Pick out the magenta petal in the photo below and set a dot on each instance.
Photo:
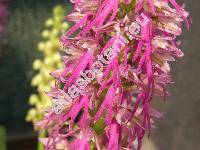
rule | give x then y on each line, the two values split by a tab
108	99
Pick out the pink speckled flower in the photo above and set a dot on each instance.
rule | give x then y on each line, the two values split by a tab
113	109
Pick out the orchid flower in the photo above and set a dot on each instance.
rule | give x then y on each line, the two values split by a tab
49	47
112	108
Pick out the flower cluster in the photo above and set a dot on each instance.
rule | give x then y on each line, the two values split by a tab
49	48
114	110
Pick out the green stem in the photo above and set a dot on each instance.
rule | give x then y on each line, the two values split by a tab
2	138
40	145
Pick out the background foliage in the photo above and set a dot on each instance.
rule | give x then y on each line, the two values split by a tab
24	27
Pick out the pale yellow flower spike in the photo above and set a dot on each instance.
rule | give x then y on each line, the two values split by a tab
51	61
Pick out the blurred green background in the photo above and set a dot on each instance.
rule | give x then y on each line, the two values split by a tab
24	26
178	130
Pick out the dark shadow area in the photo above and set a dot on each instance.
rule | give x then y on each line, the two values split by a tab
180	127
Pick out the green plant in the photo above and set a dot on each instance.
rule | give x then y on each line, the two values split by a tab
2	138
49	47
